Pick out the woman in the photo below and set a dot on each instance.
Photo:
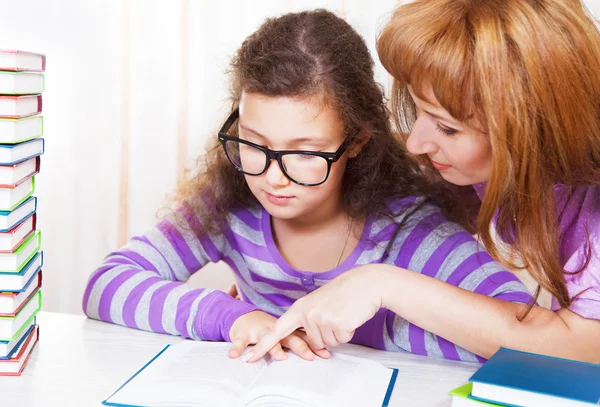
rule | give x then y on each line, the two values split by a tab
501	97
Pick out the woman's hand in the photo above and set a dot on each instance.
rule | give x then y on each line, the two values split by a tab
233	292
251	327
329	315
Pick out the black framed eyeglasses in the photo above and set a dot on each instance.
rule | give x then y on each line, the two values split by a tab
307	168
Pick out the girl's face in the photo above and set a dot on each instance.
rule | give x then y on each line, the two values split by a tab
461	153
281	123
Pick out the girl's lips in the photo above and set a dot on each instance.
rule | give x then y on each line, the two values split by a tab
278	199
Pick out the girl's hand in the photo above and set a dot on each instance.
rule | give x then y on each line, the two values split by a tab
329	315
251	327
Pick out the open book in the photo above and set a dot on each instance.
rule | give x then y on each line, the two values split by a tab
201	374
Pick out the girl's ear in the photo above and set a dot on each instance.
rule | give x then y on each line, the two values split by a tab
361	139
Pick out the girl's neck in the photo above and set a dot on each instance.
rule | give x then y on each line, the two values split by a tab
331	214
317	246
308	226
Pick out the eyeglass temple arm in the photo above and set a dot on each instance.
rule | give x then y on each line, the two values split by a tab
230	120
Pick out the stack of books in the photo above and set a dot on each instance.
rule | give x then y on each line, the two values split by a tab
21	258
514	378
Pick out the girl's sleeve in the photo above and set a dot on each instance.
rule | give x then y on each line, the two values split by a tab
142	285
443	250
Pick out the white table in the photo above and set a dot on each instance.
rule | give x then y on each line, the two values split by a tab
80	362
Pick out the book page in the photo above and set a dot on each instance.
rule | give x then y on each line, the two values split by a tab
192	374
339	381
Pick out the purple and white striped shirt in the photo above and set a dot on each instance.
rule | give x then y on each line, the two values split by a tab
142	284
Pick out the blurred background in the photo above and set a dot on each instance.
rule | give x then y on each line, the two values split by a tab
134	89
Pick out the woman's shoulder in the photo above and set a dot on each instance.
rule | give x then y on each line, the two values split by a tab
401	209
413	212
578	209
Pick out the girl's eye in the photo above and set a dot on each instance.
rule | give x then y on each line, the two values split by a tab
252	140
445	130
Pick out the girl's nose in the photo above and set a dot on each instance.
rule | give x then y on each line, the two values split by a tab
275	176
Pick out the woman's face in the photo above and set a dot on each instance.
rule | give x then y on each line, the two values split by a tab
460	152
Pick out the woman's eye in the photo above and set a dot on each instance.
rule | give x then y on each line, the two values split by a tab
445	130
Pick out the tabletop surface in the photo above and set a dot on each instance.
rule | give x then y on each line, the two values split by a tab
80	362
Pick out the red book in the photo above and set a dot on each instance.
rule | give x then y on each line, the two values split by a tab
15	107
15	365
14	60
15	174
13	302
11	240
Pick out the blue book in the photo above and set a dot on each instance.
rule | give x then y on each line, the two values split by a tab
15	153
515	378
9	348
196	373
19	282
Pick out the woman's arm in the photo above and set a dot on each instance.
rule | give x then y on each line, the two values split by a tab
142	285
483	324
476	322
434	247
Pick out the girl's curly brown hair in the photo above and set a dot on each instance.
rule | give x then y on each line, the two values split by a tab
308	54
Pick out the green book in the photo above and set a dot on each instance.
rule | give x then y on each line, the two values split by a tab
14	131
12	326
14	262
460	397
21	83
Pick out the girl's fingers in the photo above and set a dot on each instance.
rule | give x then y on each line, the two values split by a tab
298	346
237	347
278	353
284	326
323	353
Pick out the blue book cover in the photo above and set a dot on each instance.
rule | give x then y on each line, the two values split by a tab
11	154
17	343
539	376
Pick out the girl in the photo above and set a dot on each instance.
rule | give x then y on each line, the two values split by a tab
305	182
503	97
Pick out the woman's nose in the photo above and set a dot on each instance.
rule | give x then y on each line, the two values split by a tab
421	139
